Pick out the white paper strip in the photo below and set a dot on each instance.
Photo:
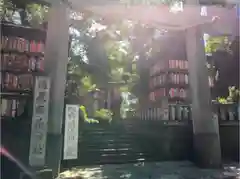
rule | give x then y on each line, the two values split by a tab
39	122
71	132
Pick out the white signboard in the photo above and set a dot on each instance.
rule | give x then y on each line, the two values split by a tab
71	132
39	122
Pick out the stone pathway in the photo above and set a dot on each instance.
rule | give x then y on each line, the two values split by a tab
161	170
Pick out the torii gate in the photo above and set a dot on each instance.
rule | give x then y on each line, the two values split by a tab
206	134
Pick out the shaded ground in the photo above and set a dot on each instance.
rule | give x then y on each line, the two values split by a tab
161	170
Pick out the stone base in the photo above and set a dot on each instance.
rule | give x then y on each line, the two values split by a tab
207	152
45	174
42	174
54	153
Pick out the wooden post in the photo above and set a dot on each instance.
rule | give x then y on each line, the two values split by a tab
56	54
205	128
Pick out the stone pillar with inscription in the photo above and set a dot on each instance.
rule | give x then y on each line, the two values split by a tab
39	122
56	59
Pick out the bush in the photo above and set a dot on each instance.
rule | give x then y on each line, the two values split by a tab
103	114
91	121
84	112
233	96
85	115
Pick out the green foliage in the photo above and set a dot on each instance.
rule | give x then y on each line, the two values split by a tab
30	13
104	114
7	9
80	74
87	84
98	57
233	96
216	43
84	112
111	58
119	58
222	100
91	121
37	14
85	116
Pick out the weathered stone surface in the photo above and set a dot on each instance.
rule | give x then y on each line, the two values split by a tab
207	154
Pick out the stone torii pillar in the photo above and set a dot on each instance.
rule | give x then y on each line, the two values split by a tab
56	55
207	149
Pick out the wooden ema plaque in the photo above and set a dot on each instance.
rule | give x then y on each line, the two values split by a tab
168	77
22	52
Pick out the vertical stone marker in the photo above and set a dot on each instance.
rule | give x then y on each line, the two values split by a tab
71	132
206	132
38	138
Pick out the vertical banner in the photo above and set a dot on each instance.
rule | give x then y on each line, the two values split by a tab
71	132
39	122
